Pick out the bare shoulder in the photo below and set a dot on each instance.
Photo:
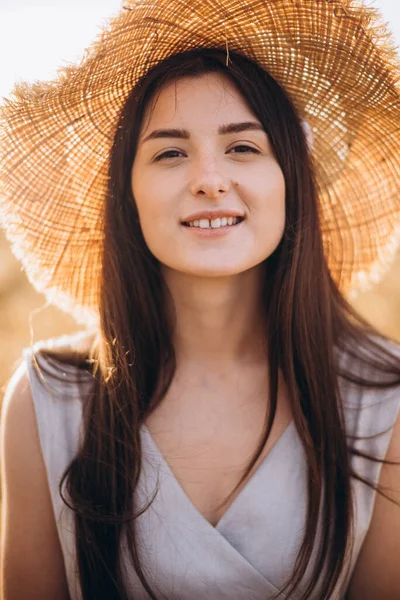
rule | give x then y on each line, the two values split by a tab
377	572
18	422
31	559
17	395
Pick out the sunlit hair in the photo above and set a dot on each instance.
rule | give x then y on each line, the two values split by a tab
309	326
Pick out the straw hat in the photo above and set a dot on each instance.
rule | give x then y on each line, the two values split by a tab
335	59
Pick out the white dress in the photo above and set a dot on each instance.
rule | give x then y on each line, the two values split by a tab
251	552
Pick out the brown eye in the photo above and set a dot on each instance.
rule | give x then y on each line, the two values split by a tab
167	154
245	149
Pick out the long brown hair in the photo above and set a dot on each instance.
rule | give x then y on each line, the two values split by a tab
310	324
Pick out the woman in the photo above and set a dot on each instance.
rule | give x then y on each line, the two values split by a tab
204	438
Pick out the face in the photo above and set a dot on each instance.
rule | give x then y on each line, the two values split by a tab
205	167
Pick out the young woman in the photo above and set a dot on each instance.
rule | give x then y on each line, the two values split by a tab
229	426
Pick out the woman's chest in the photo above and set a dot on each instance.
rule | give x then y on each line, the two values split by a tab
209	447
248	549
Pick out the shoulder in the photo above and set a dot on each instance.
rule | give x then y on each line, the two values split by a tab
17	411
56	365
42	412
20	445
18	405
377	571
65	346
27	514
370	408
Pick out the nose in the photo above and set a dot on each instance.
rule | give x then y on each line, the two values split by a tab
208	178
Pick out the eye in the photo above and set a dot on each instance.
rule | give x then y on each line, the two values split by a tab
167	154
246	149
170	154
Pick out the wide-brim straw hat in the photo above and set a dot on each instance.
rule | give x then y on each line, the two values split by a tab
338	63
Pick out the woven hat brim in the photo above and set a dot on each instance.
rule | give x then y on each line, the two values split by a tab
336	60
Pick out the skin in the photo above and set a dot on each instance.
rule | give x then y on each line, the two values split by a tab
215	282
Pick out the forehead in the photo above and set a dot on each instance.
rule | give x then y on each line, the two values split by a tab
196	101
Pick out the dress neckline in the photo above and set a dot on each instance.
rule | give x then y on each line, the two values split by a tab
272	455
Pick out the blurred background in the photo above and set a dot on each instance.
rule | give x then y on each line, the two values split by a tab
37	36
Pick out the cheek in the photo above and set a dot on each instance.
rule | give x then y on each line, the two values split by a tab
279	195
277	212
269	211
148	196
155	205
268	190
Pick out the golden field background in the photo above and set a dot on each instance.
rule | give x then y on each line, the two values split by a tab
19	300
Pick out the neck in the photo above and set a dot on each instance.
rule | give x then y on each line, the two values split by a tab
219	322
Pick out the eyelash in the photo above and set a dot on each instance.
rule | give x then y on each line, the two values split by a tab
249	148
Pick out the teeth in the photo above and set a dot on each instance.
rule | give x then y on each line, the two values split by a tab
215	223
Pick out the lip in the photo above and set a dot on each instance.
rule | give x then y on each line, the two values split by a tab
210	232
212	214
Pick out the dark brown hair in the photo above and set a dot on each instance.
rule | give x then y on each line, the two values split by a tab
310	324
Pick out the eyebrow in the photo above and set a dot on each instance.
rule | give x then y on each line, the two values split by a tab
223	129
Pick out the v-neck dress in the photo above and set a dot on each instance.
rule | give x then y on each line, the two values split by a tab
251	552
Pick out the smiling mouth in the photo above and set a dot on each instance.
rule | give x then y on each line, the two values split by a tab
238	220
